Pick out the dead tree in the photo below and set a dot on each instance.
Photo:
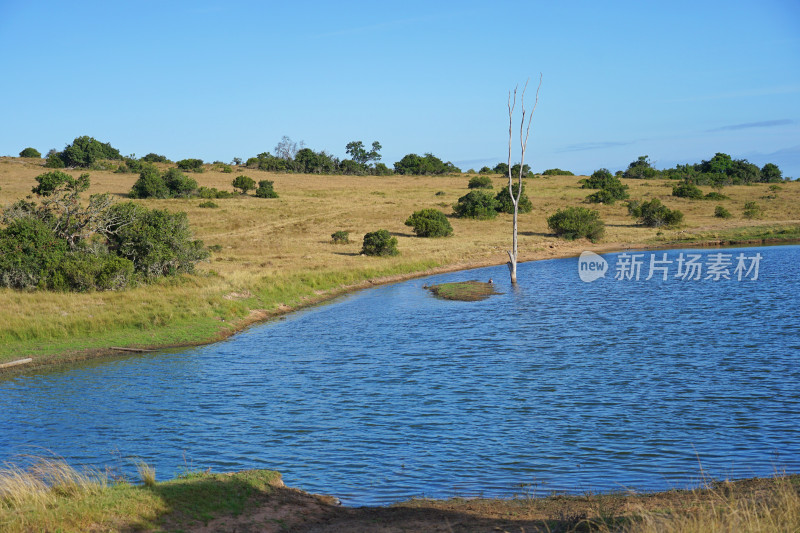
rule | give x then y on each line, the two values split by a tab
523	142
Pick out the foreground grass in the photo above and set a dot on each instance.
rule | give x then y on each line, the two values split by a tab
275	255
51	496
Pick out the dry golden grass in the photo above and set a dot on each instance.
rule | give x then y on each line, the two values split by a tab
276	253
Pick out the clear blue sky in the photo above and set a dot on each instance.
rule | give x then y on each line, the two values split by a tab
677	80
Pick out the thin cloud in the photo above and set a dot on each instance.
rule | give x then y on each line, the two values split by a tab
762	124
593	146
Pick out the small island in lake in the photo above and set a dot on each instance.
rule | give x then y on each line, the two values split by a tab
468	291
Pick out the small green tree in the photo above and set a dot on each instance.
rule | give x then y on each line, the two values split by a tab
265	189
150	184
687	190
480	182
430	223
155	158
190	165
476	204
577	222
243	183
654	214
506	205
721	212
340	237
379	243
179	184
85	151
770	173
752	210
30	152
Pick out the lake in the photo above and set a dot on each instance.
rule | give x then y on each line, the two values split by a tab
554	385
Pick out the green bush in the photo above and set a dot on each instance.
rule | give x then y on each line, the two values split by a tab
190	165
208	204
557	172
30	152
721	212
30	254
265	189
213	193
654	214
379	243
243	183
54	161
150	184
480	182
476	204
85	151
752	210
430	223
82	271
714	195
158	242
600	179
179	184
687	190
577	222
505	205
340	237
155	158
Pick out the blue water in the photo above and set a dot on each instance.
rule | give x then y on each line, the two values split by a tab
391	393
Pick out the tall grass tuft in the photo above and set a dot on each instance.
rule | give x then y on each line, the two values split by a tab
147	473
26	491
722	507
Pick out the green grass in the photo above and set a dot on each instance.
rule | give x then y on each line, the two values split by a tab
467	291
51	496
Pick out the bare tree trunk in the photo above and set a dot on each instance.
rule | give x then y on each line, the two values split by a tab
523	141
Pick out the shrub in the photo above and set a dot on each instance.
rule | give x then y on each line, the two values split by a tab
158	242
265	189
85	151
179	184
654	214
208	204
82	271
480	182
687	190
243	183
150	184
721	212
54	161
557	172
440	193
612	190
380	169
752	210
30	254
30	152
340	237
212	192
155	158
476	204
379	243
190	165
600	179
576	222
430	223
485	170
505	205
714	195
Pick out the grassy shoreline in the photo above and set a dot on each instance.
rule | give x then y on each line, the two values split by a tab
275	256
51	496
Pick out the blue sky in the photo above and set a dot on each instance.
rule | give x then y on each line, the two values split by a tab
677	80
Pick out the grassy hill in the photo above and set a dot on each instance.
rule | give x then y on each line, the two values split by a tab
274	255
